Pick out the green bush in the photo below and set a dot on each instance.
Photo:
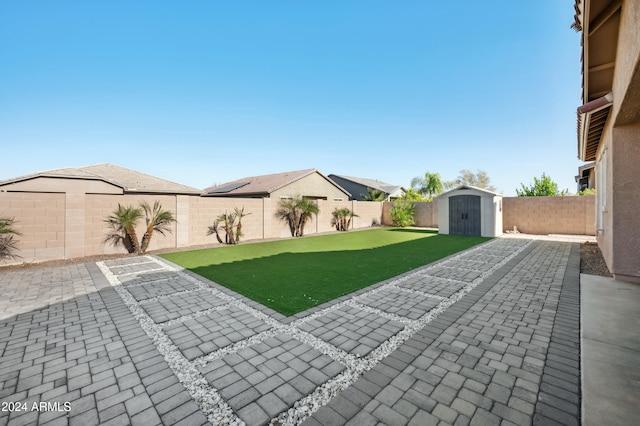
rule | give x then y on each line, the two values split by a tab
402	213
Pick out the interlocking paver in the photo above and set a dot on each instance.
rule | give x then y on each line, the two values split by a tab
498	354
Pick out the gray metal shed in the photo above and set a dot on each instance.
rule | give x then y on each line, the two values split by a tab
467	210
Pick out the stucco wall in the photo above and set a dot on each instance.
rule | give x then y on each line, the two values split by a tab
619	234
549	215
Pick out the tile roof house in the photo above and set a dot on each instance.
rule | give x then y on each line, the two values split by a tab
609	125
99	178
309	183
359	187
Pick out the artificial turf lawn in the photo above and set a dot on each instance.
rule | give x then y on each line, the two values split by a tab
296	274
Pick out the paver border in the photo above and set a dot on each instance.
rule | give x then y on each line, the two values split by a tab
560	395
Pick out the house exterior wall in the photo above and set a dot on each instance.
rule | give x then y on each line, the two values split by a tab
313	185
617	171
550	215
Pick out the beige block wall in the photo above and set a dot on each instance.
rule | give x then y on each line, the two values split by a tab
40	218
205	210
550	215
426	214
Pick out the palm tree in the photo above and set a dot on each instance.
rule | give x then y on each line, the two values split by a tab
157	219
287	212
307	209
429	185
122	223
239	214
8	242
341	218
296	212
374	195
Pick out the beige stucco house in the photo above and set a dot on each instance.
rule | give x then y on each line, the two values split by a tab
60	213
309	183
609	125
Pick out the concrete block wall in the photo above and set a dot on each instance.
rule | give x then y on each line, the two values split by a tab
426	214
550	215
40	218
69	225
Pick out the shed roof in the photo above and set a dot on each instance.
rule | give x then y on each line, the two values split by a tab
475	188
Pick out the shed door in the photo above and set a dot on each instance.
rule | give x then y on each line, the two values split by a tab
464	215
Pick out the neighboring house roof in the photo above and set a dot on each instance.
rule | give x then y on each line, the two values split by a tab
371	183
262	185
127	179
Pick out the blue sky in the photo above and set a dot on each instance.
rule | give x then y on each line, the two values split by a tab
208	92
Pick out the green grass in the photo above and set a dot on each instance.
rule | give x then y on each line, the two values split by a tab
293	275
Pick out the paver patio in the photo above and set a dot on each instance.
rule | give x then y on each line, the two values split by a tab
487	336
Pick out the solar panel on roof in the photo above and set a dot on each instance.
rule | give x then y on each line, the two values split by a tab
228	188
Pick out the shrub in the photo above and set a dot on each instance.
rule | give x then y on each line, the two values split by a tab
402	213
8	241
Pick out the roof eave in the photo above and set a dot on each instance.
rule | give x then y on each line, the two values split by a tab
592	118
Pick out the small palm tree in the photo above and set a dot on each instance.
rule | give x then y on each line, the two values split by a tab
239	214
288	212
307	209
296	212
375	195
341	218
158	220
8	242
122	223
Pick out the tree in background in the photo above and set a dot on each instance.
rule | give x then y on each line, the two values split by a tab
428	185
341	218
374	195
296	212
411	195
402	213
587	191
8	241
543	187
467	177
